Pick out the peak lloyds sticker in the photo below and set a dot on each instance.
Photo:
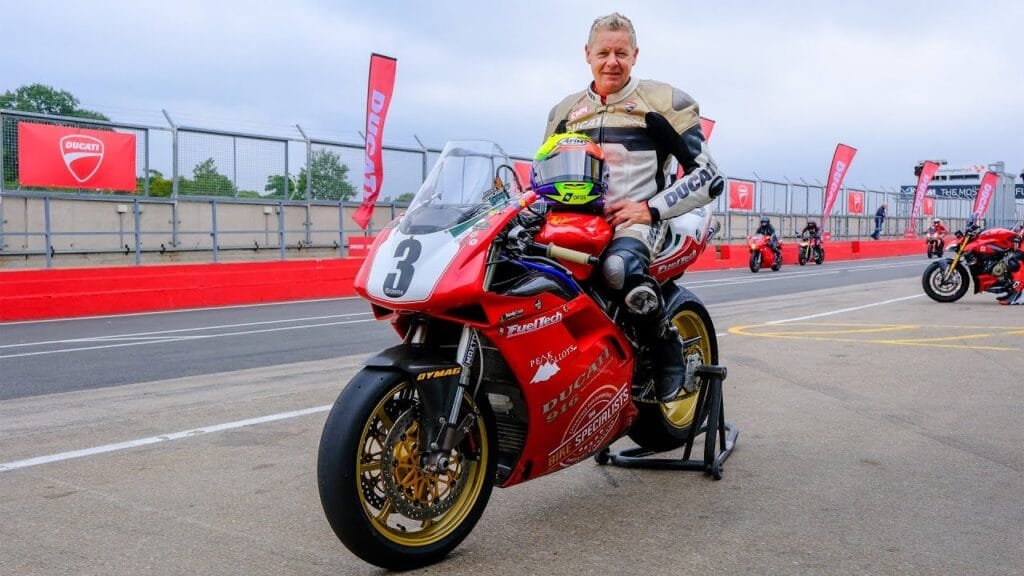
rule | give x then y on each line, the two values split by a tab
82	155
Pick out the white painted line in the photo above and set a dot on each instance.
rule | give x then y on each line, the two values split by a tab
840	311
179	310
161	333
180	338
7	466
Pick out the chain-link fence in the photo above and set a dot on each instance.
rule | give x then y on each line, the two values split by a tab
221	194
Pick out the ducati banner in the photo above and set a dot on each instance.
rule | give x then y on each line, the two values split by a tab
841	161
378	99
986	190
741	195
928	209
855	202
707	126
67	157
927	172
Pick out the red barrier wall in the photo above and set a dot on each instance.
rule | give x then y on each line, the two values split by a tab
65	293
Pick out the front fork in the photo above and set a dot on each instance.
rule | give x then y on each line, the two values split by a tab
956	260
442	403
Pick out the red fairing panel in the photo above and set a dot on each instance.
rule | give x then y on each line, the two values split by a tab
584	232
575	368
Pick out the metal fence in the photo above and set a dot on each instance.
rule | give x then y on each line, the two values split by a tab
216	194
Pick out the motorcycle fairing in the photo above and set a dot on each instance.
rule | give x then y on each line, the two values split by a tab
575	369
685	239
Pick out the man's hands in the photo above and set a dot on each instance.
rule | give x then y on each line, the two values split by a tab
626	213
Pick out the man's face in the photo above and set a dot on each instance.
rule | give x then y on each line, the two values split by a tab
611	58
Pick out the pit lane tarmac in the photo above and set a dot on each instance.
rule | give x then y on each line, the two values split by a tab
880	433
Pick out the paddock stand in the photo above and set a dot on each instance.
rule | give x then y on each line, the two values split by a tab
715	453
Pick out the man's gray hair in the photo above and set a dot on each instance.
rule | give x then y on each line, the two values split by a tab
613	22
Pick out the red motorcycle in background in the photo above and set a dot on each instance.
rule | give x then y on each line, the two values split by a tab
988	257
761	253
513	364
934	242
811	248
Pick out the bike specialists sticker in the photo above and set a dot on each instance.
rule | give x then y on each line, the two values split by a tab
592	427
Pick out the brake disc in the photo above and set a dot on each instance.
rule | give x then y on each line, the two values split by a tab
414	492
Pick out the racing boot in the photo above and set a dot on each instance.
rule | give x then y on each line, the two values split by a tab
670	370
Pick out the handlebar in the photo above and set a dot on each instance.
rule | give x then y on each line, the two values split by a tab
567	254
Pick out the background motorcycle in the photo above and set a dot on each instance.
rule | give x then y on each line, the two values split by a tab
513	363
983	256
934	243
761	253
811	248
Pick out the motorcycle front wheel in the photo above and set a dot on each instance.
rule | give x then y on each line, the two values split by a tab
802	258
755	261
380	500
952	289
665	426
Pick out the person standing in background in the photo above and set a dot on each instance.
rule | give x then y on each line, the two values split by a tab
879	220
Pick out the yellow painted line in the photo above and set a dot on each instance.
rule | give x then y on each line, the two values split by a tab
947	338
826	332
928	343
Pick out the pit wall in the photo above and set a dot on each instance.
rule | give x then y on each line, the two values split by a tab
75	292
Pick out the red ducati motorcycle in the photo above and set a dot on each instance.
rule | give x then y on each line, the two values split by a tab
761	253
513	363
812	248
934	242
988	257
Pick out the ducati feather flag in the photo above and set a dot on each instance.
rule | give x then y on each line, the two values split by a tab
378	99
985	193
928	170
707	126
841	160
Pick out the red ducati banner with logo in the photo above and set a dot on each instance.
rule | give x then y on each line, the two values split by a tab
378	99
66	157
986	190
707	126
741	195
855	202
841	160
928	170
928	209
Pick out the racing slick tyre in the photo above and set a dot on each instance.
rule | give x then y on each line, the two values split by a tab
381	502
952	289
755	262
819	256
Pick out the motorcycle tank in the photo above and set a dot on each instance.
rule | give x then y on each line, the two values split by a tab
588	233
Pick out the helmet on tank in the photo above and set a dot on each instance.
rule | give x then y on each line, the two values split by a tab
569	173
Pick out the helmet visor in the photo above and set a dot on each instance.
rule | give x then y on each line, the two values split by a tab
568	165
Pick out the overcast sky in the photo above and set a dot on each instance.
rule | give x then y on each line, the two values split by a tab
901	81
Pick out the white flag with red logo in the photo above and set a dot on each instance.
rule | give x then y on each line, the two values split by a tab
378	99
841	160
928	170
986	190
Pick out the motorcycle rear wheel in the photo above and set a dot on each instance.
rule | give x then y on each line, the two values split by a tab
755	262
378	498
819	256
950	291
662	427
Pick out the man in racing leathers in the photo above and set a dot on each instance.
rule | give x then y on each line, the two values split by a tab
640	125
